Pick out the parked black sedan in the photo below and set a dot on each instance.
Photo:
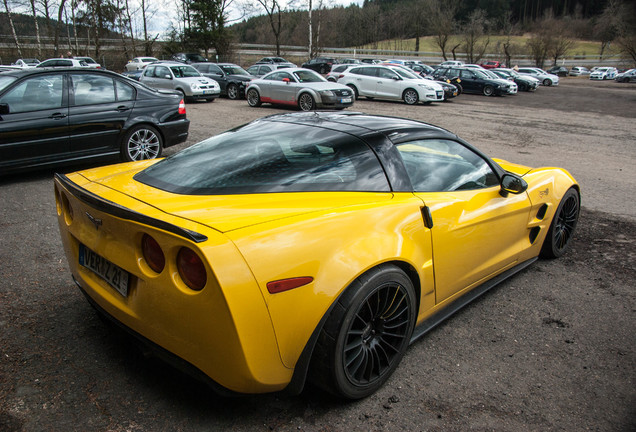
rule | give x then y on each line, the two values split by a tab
559	71
321	65
232	78
524	82
53	116
476	81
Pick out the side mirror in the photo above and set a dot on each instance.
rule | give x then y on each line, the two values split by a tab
167	76
286	80
4	108
513	184
397	78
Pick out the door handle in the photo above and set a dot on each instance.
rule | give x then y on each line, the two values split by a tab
122	108
57	116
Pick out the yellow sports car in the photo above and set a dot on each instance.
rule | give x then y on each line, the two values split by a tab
305	246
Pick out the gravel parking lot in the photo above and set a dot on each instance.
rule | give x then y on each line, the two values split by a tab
551	349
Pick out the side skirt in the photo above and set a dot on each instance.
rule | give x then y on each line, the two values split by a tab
433	321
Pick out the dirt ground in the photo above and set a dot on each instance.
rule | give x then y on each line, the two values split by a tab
551	349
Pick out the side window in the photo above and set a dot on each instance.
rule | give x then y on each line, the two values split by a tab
150	71
33	94
125	92
466	74
162	72
253	70
386	73
279	76
214	69
65	63
437	165
92	89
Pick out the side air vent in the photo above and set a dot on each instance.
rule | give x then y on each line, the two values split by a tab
542	210
534	232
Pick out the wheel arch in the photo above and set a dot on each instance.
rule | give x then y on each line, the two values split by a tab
301	370
129	127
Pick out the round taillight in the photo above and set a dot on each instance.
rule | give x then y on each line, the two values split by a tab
191	269
153	254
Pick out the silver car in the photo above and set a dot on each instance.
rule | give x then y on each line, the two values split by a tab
299	87
546	79
180	77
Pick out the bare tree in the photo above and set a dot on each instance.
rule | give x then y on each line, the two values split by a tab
15	36
275	15
474	36
608	24
441	22
37	27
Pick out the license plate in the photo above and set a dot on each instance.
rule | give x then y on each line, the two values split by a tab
345	100
205	92
115	276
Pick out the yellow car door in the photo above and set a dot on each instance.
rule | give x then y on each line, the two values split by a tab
477	231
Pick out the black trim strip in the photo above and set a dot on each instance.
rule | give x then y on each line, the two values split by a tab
432	322
110	207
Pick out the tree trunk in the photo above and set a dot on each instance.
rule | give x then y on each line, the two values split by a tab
37	28
57	26
15	36
310	32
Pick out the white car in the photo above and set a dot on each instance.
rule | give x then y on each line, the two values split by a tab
546	79
391	82
139	63
89	62
336	70
452	63
26	63
62	62
604	73
181	77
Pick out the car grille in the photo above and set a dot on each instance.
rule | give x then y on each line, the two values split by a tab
342	92
440	94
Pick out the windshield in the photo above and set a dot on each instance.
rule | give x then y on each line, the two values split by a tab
234	70
483	74
196	58
405	74
5	81
184	71
266	156
307	76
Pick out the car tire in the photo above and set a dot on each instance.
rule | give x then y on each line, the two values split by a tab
232	91
563	225
410	97
366	334
523	87
306	102
140	143
253	98
460	89
488	90
323	70
547	82
356	95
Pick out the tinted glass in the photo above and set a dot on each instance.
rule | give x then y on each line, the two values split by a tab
437	165
5	81
33	94
234	70
125	92
307	76
184	71
266	156
92	89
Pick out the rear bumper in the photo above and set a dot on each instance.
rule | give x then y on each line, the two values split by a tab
175	132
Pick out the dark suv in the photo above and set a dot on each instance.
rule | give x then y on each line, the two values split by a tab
559	71
320	64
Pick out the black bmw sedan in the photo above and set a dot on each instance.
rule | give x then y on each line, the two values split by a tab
50	117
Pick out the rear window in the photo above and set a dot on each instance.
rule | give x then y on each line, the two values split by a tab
266	156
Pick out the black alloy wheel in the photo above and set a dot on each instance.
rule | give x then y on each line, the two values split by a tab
563	225
488	90
366	334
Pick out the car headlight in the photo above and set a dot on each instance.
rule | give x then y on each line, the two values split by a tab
326	93
194	86
426	87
